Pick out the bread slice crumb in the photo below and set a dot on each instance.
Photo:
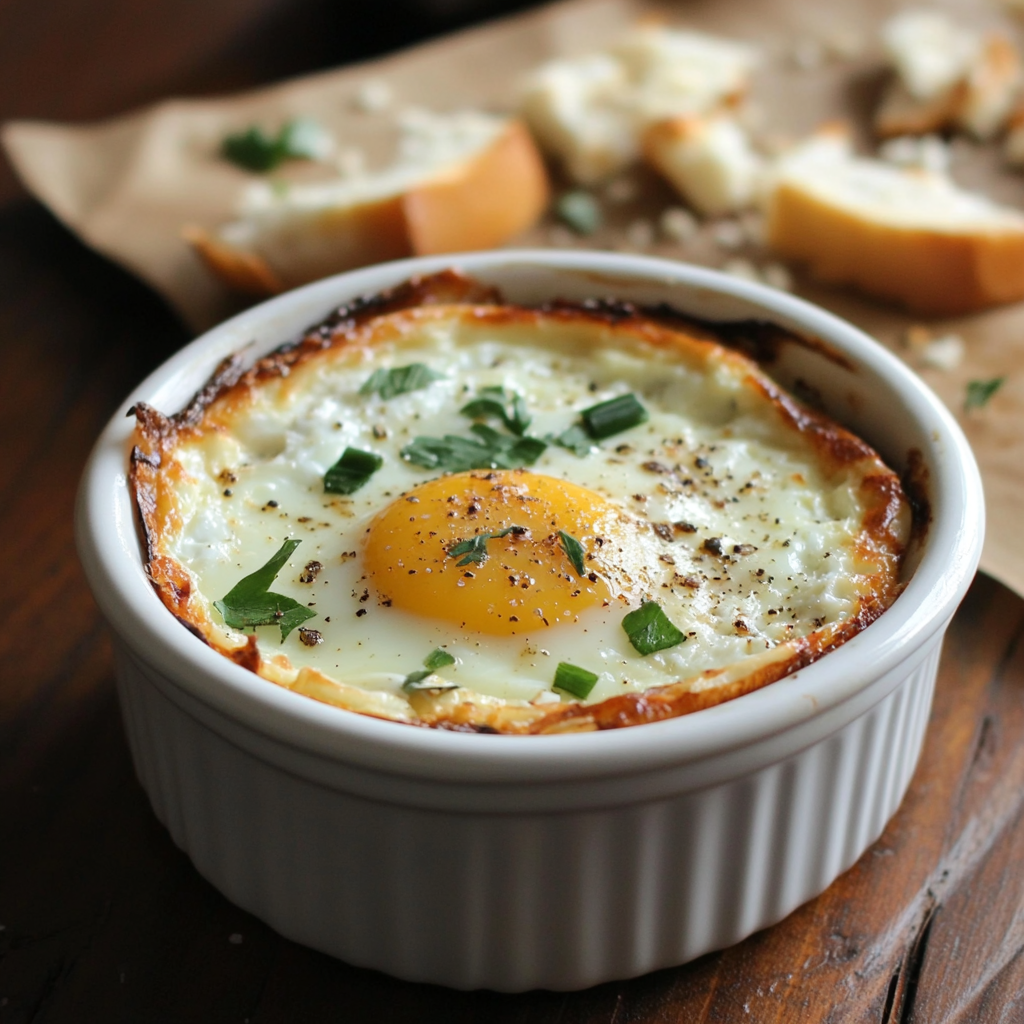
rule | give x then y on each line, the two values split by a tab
709	160
590	112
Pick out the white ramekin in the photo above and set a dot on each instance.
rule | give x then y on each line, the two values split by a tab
510	863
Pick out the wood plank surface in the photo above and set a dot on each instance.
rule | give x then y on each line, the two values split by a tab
103	919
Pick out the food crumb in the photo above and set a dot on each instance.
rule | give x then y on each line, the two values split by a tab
678	225
729	234
374	96
944	353
741	268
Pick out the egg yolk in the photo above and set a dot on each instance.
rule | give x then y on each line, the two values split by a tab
436	551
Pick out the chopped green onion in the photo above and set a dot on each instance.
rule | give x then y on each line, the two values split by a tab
574	550
249	602
400	380
575	680
980	391
351	471
488	450
614	416
475	548
491	403
580	210
650	630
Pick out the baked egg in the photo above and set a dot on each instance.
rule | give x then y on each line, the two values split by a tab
444	510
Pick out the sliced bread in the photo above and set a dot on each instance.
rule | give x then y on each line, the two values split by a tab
907	235
460	182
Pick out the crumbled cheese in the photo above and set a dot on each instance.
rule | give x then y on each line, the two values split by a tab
737	266
944	353
928	152
729	234
678	225
374	96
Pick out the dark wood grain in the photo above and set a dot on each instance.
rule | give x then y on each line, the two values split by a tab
104	920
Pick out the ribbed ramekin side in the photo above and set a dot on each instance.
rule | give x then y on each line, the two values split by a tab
513	901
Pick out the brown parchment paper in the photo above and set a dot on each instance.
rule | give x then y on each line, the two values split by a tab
127	186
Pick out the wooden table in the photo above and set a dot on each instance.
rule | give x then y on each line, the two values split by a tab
104	920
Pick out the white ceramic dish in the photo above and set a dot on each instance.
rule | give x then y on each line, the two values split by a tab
512	862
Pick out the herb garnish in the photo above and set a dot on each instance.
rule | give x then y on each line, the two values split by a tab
436	659
249	602
575	680
576	439
255	150
650	630
488	450
400	380
574	550
351	471
492	403
614	416
475	548
580	210
980	391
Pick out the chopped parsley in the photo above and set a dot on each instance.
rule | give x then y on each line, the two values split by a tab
574	551
487	450
650	630
351	471
575	680
980	391
492	403
400	380
255	150
475	548
436	659
614	416
249	602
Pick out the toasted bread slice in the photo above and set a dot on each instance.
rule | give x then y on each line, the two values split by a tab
709	160
948	77
473	183
591	112
907	235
